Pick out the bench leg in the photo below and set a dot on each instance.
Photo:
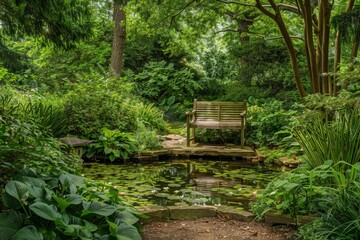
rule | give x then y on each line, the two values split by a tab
188	136
193	134
242	137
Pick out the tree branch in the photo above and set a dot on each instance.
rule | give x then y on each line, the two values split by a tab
280	37
236	2
263	10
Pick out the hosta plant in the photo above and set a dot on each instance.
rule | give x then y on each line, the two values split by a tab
112	144
63	207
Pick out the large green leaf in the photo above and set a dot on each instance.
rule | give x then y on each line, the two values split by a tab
38	182
71	199
68	179
45	211
98	208
10	202
127	231
28	233
36	192
126	216
10	223
17	190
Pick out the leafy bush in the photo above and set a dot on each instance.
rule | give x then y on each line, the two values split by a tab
160	80
161	83
147	139
24	143
296	192
94	105
63	207
265	120
112	145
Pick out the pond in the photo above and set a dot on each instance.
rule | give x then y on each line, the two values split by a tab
185	182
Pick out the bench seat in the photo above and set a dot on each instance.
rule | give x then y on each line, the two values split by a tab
216	125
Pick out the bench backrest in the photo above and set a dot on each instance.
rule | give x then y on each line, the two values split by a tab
219	111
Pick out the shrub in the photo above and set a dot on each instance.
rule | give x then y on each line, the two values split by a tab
25	144
147	139
295	193
265	119
64	206
94	105
113	145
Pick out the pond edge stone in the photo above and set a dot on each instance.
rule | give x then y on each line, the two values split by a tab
163	214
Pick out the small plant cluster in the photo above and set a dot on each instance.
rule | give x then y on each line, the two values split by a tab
65	206
112	145
268	122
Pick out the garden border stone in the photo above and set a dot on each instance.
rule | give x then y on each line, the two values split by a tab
161	214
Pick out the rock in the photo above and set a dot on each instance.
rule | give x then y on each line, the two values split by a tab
191	212
234	214
155	213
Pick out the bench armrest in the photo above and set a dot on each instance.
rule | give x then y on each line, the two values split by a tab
190	113
188	117
243	113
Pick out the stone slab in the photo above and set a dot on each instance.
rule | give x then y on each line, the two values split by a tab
275	218
155	214
191	212
234	214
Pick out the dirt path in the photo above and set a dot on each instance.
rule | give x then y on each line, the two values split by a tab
215	228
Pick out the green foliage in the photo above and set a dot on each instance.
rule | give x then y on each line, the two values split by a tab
265	120
217	136
47	116
348	24
147	139
336	140
99	103
341	211
60	22
34	108
273	155
24	143
152	117
113	145
161	82
63	206
27	125
298	192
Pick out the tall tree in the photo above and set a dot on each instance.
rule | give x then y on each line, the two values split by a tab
119	38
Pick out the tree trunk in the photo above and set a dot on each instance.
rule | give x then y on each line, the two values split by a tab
119	39
337	57
309	46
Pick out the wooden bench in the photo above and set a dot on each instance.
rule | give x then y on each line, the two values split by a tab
216	115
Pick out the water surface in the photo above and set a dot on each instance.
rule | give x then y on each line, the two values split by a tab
185	182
